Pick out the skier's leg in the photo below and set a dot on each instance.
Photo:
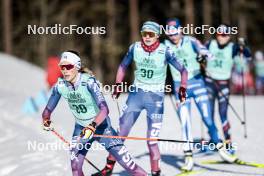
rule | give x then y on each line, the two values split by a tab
154	108
220	147
116	148
76	165
184	114
223	98
205	103
78	152
130	114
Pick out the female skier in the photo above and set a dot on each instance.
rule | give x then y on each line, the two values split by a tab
151	59
90	110
218	73
191	54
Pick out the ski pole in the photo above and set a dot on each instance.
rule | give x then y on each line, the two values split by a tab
202	130
144	139
118	108
173	104
243	95
68	143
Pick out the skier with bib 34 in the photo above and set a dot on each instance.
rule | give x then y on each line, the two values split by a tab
218	74
191	54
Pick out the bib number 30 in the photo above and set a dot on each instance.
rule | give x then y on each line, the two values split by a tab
147	73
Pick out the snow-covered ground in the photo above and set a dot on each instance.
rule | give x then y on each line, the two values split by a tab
19	132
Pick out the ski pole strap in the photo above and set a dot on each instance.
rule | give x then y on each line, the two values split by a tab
144	139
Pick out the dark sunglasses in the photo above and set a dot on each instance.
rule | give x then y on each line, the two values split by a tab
222	34
150	34
68	67
172	35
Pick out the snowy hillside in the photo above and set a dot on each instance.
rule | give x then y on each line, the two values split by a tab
19	80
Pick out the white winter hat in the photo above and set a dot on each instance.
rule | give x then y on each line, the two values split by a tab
259	55
71	58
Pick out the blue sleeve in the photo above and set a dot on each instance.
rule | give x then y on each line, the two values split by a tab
127	60
52	103
200	49
236	50
171	59
207	44
94	88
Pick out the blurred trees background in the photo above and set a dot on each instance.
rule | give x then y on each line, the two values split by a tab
122	19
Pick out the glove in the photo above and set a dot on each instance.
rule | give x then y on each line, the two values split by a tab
47	125
117	90
201	59
182	94
241	42
88	132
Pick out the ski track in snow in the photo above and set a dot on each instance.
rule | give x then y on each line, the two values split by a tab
21	80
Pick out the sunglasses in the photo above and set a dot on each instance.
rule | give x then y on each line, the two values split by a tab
150	34
67	67
172	35
222	34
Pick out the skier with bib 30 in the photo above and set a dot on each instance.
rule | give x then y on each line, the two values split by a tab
151	59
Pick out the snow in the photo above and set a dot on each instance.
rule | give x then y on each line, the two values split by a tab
20	80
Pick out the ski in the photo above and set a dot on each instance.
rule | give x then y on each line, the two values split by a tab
186	173
238	162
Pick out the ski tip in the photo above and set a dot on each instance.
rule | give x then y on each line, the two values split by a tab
238	162
213	162
186	173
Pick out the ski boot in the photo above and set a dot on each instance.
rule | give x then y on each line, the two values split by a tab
107	170
188	164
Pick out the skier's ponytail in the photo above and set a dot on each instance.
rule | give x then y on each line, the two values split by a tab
86	70
82	69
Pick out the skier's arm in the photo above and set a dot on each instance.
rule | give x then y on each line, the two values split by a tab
236	51
207	44
94	89
52	103
171	58
127	60
200	49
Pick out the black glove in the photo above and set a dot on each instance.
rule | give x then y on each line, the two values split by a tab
201	59
117	90
47	125
182	94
